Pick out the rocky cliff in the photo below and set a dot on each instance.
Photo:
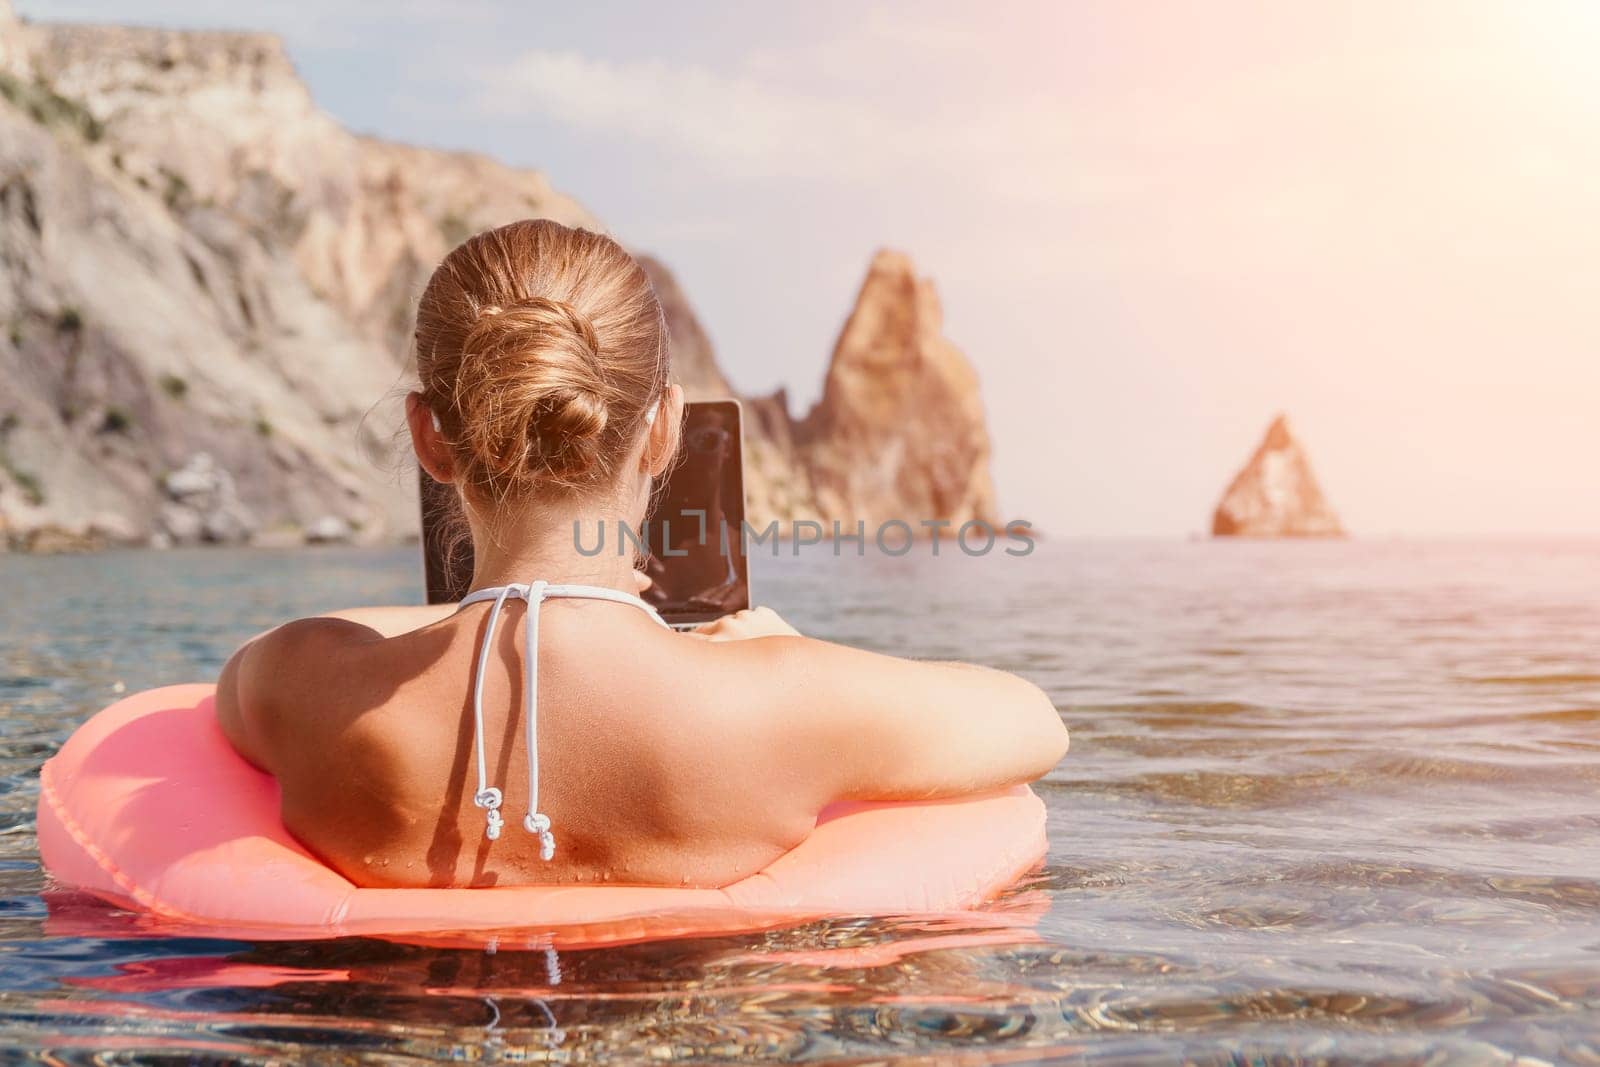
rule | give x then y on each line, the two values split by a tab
197	262
1276	495
205	279
13	50
899	430
897	391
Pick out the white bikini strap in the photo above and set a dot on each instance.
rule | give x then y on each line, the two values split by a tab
535	593
535	822
487	797
555	592
517	591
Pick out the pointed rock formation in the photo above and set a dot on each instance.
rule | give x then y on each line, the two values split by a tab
1276	495
899	432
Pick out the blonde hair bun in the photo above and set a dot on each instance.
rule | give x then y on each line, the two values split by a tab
541	347
532	396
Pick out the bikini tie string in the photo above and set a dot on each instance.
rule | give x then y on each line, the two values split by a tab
535	822
538	823
490	799
487	796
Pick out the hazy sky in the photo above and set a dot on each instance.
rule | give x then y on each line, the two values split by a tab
1153	225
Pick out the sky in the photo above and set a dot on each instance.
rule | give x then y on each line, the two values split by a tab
1153	225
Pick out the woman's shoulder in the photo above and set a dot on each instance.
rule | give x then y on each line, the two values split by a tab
392	621
307	667
305	649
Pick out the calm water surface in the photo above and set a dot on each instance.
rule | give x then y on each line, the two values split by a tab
1324	801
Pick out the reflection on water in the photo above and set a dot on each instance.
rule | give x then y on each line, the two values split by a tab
1324	801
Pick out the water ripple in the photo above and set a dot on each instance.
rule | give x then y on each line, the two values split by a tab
1325	802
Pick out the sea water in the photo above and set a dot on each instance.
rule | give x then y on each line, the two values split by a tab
1328	801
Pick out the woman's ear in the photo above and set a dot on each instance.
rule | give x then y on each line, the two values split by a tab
661	439
427	439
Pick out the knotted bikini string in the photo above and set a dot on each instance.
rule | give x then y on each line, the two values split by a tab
488	797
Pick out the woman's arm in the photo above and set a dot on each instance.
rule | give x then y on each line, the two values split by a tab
861	726
881	728
237	697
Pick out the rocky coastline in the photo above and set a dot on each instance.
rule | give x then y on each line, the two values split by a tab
206	288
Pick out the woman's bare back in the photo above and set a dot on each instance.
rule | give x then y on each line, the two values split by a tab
665	758
654	751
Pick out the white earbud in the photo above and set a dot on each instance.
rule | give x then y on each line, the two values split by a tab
438	427
650	416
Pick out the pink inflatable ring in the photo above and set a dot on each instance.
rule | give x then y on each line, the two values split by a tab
148	806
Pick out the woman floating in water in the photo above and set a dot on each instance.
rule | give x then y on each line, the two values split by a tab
549	728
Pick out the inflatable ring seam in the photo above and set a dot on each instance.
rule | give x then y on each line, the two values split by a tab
341	911
143	897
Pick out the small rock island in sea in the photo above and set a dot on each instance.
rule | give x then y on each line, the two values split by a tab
1276	495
